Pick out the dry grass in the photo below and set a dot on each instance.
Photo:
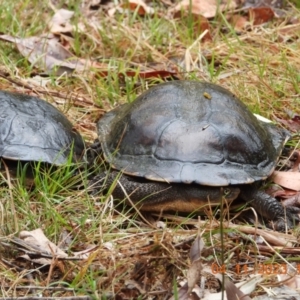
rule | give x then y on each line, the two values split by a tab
134	257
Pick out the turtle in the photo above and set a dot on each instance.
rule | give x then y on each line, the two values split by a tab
33	130
185	144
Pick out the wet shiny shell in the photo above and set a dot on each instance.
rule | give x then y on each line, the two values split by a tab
190	132
33	130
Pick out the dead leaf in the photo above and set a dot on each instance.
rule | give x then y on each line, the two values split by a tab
233	292
200	24
293	124
40	242
239	22
40	250
289	180
207	9
183	294
256	16
281	292
276	191
196	248
43	52
236	291
194	274
60	21
291	278
292	200
46	53
139	6
260	15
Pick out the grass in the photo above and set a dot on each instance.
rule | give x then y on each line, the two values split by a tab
135	257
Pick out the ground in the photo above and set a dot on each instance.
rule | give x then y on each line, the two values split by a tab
88	57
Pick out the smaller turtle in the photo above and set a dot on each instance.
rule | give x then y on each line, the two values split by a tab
182	145
32	129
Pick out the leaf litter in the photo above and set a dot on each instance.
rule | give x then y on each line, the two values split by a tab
130	260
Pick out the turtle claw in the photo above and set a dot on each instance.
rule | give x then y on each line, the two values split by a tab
289	221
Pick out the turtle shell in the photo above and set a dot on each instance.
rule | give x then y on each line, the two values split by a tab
32	129
190	132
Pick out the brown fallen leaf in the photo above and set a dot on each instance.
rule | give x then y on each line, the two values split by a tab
277	192
289	180
291	200
291	125
260	15
207	9
239	22
139	6
255	16
200	24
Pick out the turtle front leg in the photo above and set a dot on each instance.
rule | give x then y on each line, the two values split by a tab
269	208
155	196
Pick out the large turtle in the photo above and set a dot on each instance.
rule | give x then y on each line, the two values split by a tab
180	142
32	129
